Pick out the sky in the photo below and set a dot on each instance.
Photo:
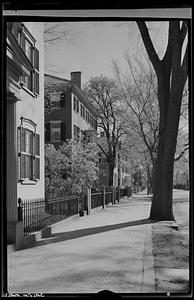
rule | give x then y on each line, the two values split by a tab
91	46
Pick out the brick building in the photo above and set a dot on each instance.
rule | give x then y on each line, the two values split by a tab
68	112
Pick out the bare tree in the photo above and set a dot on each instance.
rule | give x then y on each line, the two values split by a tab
172	73
103	94
139	94
55	31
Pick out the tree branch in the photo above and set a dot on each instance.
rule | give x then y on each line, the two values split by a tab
149	46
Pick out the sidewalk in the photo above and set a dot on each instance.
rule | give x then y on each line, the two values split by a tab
109	249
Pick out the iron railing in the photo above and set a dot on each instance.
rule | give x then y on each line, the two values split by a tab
36	214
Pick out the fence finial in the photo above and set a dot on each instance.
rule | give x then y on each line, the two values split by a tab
19	201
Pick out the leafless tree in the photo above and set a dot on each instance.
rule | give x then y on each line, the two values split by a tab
172	74
139	94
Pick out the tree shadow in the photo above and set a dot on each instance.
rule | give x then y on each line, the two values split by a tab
69	235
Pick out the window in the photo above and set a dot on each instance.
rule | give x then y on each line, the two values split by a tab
77	105
84	112
55	100
87	116
56	131
28	152
76	132
62	100
74	102
27	43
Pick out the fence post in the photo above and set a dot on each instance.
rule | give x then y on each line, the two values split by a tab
89	200
103	197
112	195
20	217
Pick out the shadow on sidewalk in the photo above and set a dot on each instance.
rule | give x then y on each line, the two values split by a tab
68	235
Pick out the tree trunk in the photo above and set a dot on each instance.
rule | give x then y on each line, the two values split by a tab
162	203
111	174
162	208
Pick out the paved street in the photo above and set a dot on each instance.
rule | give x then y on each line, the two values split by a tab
108	249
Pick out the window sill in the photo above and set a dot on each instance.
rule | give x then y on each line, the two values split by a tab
28	182
27	90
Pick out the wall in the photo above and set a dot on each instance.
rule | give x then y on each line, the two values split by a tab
33	108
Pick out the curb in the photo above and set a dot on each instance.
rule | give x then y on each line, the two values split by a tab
148	278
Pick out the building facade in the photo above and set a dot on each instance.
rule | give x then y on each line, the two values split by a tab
122	170
24	118
68	112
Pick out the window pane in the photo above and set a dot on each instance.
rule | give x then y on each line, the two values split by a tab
28	141
28	80
29	50
56	132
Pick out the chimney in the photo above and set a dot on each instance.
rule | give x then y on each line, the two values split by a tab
76	78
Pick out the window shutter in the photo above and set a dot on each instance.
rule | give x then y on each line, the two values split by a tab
18	140
19	168
63	137
23	140
37	150
23	166
36	59
36	82
47	133
19	153
37	167
22	41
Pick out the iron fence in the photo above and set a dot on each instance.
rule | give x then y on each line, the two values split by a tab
96	199
36	214
33	215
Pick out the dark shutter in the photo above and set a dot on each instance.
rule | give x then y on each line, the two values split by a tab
18	139
22	41
37	150
62	100
63	135
36	59
23	140
19	153
47	133
37	167
19	168
23	166
36	82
